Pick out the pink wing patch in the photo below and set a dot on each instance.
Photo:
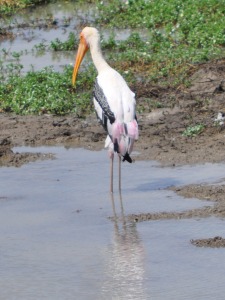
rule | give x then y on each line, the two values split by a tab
132	128
117	130
125	134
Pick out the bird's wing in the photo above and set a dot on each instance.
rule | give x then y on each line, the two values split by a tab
115	107
101	100
120	99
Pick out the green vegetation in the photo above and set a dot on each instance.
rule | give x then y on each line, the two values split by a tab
168	38
180	33
10	6
46	91
56	45
193	130
70	44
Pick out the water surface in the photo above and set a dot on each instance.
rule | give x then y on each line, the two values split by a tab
35	26
57	241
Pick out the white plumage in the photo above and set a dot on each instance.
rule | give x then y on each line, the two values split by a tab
113	100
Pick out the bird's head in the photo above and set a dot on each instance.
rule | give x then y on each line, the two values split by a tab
86	37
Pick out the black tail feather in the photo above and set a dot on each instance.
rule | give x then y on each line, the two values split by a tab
127	158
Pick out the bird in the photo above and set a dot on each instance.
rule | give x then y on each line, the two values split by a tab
114	102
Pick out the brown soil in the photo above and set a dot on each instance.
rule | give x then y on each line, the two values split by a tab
216	242
161	131
212	193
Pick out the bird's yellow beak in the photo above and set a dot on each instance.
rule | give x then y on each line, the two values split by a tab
82	49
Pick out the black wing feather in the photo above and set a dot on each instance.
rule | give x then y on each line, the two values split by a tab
102	101
107	114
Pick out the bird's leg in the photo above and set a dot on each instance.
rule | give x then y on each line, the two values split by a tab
122	211
119	158
111	155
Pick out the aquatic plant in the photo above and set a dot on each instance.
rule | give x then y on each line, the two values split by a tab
180	32
70	44
10	6
193	130
47	91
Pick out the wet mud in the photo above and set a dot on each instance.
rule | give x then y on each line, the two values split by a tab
216	242
213	193
160	139
161	130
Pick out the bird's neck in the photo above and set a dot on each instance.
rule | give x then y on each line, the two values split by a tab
98	58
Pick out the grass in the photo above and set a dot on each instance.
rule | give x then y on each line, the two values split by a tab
46	91
11	6
192	131
70	44
180	32
178	35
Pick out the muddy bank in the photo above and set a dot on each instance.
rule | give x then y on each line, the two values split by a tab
216	242
161	129
8	157
212	193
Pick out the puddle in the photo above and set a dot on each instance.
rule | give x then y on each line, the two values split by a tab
57	241
44	24
41	25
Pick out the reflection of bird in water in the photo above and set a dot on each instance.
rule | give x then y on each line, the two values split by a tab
113	100
124	273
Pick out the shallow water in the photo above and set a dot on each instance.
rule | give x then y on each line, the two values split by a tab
69	17
27	34
57	241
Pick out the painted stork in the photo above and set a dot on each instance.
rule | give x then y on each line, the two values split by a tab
114	102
